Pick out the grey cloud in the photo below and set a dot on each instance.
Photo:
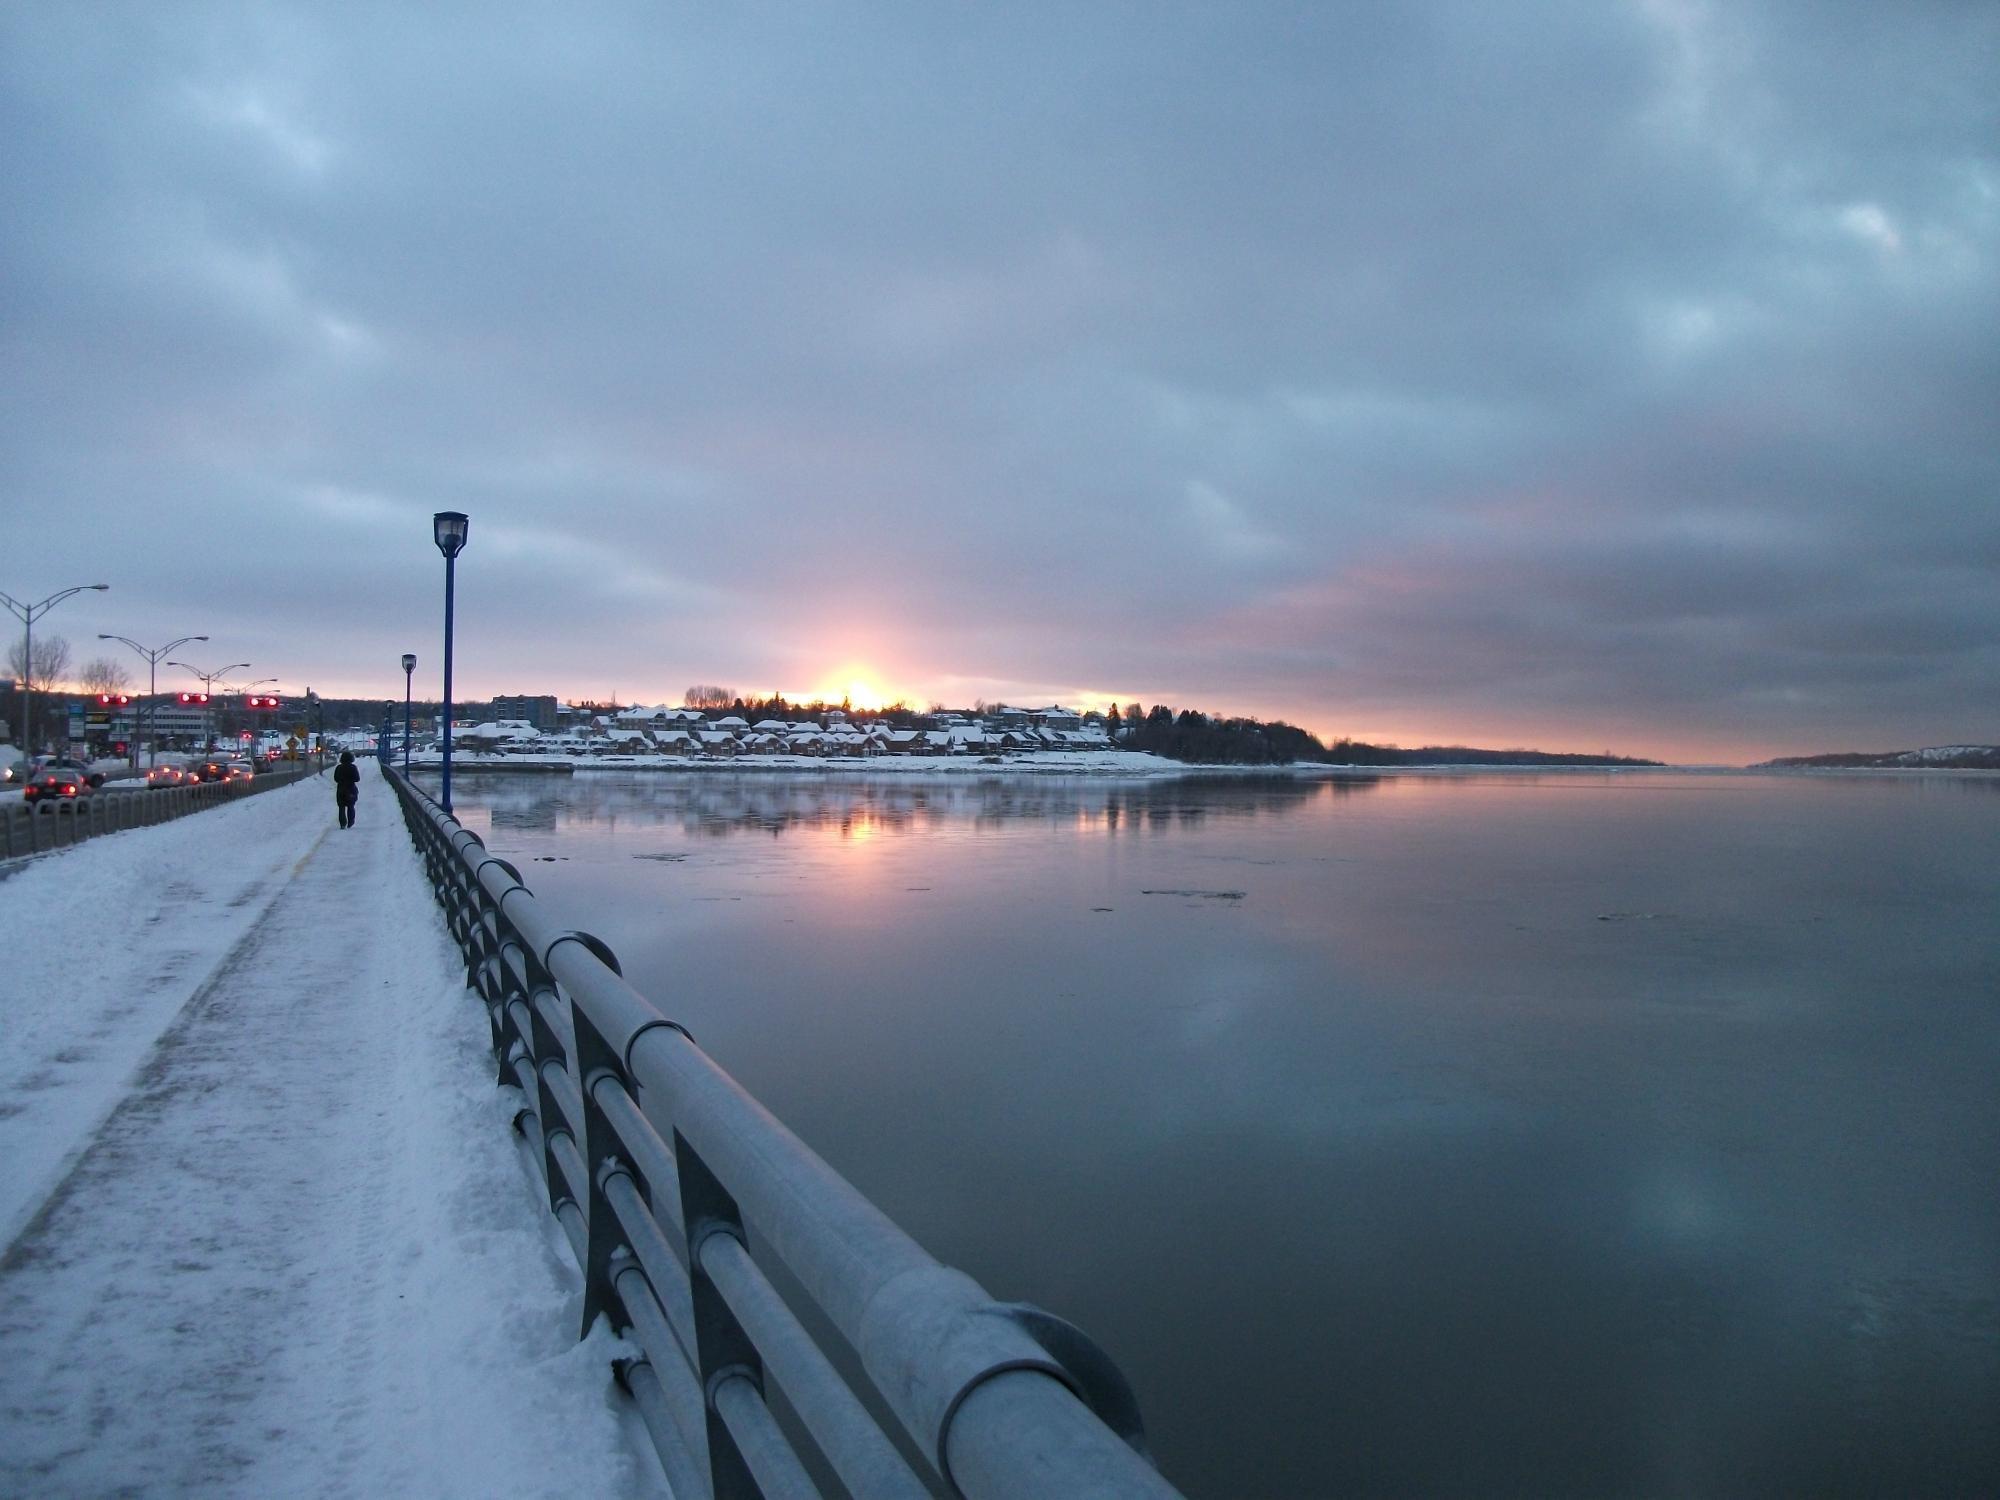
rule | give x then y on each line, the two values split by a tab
1419	368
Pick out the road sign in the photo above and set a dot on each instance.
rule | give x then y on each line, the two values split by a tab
298	731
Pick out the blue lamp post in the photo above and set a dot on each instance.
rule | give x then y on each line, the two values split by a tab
409	666
448	528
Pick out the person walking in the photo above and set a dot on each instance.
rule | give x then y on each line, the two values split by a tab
346	787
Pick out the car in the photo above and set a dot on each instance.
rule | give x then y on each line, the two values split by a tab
59	784
238	770
207	770
167	773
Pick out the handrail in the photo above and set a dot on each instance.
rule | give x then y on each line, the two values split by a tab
662	1168
32	827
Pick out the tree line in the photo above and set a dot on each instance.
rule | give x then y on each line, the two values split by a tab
1203	739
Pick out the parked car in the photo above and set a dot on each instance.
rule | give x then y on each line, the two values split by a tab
59	784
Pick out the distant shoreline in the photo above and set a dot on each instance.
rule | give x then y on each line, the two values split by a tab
1128	765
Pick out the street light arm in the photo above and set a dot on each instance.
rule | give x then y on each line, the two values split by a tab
152	653
29	613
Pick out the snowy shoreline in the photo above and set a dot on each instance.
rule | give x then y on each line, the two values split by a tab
1126	764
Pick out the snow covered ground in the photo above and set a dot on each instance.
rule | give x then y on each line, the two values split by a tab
265	1230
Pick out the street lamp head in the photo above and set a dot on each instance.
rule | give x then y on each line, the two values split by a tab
100	587
409	662
448	528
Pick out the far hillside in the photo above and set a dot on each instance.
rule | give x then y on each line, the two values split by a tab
1935	757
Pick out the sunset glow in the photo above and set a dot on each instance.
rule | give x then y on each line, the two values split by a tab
858	686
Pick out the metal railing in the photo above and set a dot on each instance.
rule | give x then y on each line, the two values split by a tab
57	823
660	1169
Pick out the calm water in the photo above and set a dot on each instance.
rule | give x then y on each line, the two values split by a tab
1533	1134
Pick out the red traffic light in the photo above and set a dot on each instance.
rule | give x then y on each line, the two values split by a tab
113	700
194	698
260	700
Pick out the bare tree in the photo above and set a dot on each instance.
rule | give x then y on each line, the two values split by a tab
42	674
101	674
50	663
707	695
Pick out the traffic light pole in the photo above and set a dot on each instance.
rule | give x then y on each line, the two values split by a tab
153	660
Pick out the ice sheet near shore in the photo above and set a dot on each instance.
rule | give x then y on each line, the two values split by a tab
266	1230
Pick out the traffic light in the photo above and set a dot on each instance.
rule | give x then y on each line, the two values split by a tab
112	700
195	698
261	701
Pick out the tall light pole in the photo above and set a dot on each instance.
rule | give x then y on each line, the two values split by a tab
208	692
409	666
27	614
152	686
448	529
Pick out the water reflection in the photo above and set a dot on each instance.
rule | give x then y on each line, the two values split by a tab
1518	1134
718	805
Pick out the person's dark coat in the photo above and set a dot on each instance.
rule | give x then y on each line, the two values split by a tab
346	782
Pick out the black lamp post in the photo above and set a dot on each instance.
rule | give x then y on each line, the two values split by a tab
448	528
409	666
27	614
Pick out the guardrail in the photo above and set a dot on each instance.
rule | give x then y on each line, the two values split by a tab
57	823
660	1168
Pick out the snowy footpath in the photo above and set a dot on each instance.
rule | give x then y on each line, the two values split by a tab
263	1231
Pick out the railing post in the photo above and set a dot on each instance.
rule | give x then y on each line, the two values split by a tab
724	1351
594	1058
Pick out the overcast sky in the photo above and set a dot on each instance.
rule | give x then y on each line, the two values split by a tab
1588	375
